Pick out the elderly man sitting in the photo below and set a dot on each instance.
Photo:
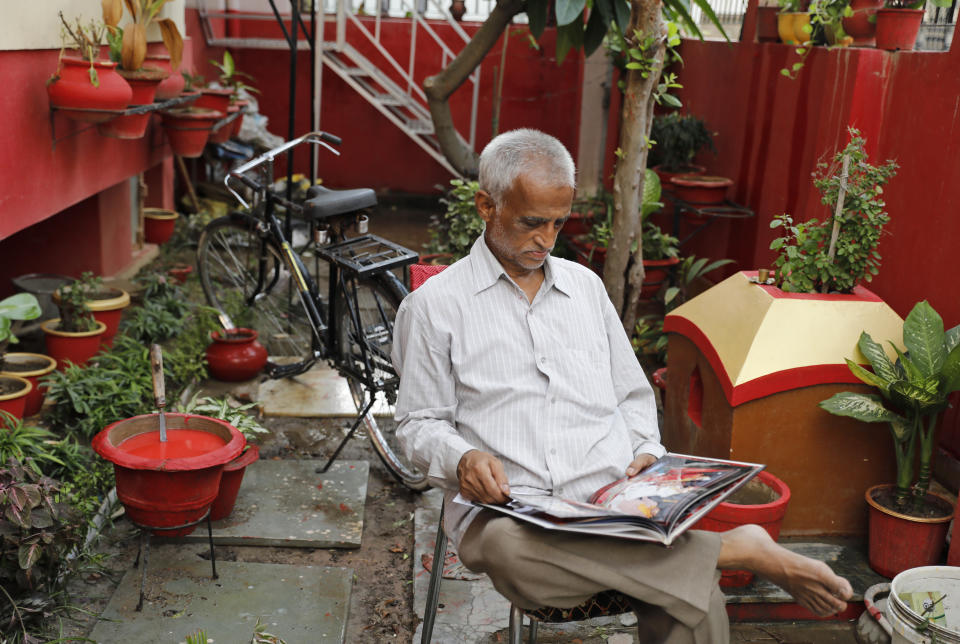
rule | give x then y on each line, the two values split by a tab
516	372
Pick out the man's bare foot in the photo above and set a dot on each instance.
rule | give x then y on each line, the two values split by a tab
812	583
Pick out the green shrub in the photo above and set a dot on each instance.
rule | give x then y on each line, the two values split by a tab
460	225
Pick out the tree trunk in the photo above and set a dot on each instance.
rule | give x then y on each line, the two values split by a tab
636	119
440	87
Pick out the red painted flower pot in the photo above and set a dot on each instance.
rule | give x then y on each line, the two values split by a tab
859	26
728	516
173	84
144	83
236	355
225	131
214	99
75	347
32	367
167	485
188	129
666	175
655	272
238	122
230	483
899	542
180	272
898	28
579	223
106	306
701	190
73	89
14	402
158	225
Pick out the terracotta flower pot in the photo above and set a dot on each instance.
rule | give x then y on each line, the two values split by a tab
165	485
235	355
655	272
859	26
188	129
768	514
144	83
899	541
32	367
217	100
666	187
14	391
73	89
230	483
898	28
69	346
180	272
701	190
158	225
173	84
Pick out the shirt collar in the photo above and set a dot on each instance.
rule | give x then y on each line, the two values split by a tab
487	269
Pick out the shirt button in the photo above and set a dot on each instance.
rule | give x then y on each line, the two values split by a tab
553	399
553	451
543	360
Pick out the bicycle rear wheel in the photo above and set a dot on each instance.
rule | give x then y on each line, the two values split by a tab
366	338
244	276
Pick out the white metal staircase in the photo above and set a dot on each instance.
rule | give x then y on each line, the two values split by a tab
402	103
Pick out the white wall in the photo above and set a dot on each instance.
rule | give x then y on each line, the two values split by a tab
33	24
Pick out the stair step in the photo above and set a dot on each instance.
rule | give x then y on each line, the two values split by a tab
256	43
356	71
389	99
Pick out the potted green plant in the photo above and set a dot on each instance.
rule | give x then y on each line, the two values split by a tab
810	258
14	388
793	23
898	22
861	23
452	234
908	523
105	303
678	138
75	335
233	79
83	82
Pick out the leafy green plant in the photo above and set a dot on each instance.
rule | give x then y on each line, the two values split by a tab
200	637
192	81
678	138
689	270
16	308
232	77
26	444
657	244
230	411
790	6
185	362
261	636
913	391
916	4
75	315
626	57
455	231
805	261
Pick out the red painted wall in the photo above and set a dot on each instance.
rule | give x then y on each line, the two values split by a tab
773	130
536	93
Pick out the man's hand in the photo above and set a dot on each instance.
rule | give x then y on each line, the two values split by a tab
641	463
482	478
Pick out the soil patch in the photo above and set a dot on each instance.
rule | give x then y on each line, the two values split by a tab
10	386
24	366
932	506
754	492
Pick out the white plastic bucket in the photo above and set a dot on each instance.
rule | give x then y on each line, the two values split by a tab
904	621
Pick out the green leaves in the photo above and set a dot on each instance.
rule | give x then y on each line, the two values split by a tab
924	338
537	16
882	366
569	10
866	407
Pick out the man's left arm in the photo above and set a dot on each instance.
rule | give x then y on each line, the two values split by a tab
635	396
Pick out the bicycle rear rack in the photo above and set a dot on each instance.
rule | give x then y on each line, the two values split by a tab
367	254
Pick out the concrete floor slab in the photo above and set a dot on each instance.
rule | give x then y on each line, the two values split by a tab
318	393
286	503
297	603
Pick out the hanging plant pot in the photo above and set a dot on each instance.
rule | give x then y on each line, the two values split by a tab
172	86
188	129
899	541
144	83
230	483
238	122
214	99
223	133
235	355
762	501
654	274
158	225
859	26
13	394
701	190
74	94
68	346
898	28
32	367
168	484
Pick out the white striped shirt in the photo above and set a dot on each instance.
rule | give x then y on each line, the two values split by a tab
552	388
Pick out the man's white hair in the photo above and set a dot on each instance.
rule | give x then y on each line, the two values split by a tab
513	153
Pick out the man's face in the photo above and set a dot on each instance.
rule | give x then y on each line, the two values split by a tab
523	231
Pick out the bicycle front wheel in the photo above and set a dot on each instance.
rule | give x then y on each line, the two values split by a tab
244	276
366	341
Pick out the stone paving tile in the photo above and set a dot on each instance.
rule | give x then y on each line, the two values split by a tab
286	503
319	393
297	603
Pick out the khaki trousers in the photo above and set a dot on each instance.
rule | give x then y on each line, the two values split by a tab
677	596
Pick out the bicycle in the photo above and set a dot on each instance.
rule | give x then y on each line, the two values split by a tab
249	266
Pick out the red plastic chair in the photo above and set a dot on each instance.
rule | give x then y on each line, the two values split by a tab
420	273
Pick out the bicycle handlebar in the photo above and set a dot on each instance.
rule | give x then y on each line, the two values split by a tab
318	138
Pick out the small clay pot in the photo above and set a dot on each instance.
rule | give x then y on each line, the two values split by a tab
235	355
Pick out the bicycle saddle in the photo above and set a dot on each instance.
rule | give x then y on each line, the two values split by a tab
322	202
